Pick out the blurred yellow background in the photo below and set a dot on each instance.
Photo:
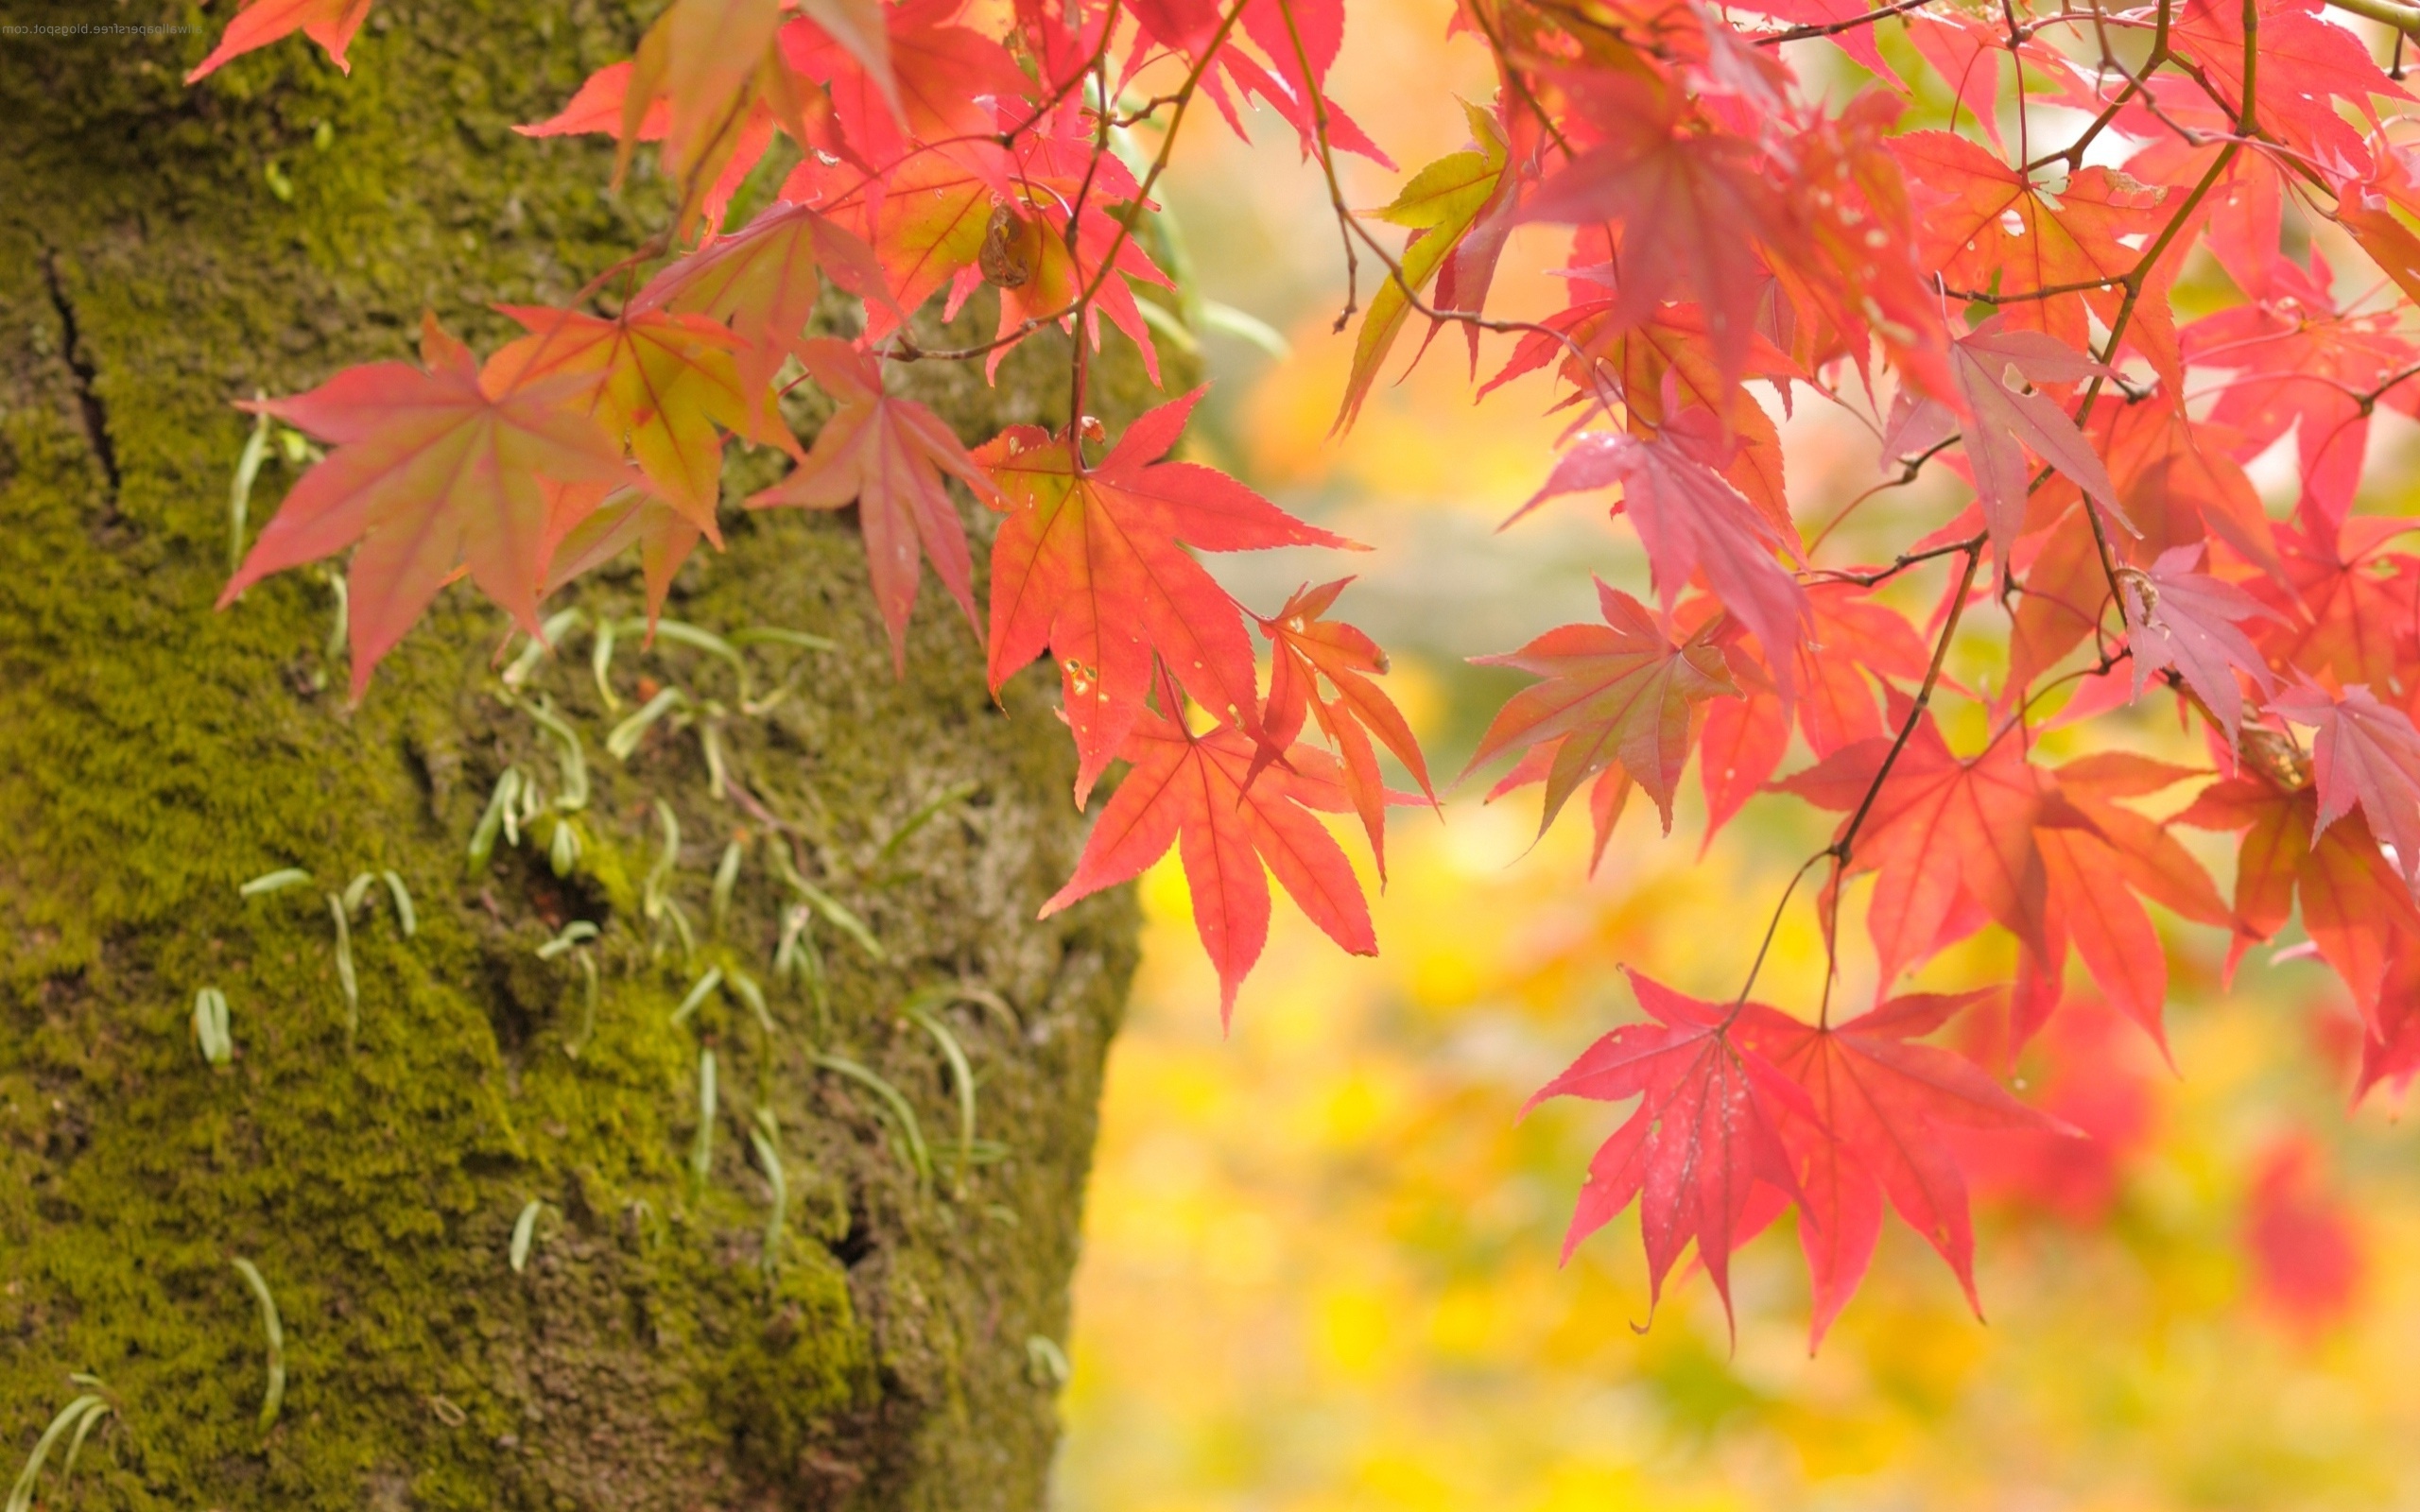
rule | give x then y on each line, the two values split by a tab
1320	1268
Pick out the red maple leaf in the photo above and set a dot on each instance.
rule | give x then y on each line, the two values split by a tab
2391	1037
1879	1103
1090	562
2344	607
2101	860
1691	207
1951	839
2364	752
1289	36
1191	790
2180	618
1851	642
1662	370
1608	794
665	385
436	468
602	105
2179	483
627	516
1691	520
2301	364
330	23
2307	66
1617	693
1306	646
2005	419
2354	905
886	456
1704	1138
944	79
763	281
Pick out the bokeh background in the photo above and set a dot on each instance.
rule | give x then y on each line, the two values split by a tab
1320	1267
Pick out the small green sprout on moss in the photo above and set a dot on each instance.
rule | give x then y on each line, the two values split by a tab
727	879
624	738
764	1139
920	1010
926	812
588	989
920	1159
702	1152
342	907
601	664
698	991
345	978
571	936
743	986
405	915
574	935
498	817
248	471
210	1026
340	615
525	1234
550	635
656	890
274	1397
270	882
682	634
823	902
798	956
76	1419
571	755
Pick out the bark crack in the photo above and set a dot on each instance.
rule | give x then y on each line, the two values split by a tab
80	366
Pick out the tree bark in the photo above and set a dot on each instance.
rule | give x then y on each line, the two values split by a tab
661	1329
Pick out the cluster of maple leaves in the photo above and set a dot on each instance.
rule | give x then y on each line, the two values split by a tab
1994	295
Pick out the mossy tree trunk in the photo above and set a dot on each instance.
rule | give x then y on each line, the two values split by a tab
787	1299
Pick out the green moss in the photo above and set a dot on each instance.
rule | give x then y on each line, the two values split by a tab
154	755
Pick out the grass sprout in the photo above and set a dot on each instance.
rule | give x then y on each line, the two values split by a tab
926	812
920	1159
76	1417
274	1397
210	1027
962	1076
588	1004
270	882
743	986
726	879
698	991
525	1234
823	902
405	915
624	738
497	816
701	1153
768	1155
248	472
569	937
600	664
345	977
652	892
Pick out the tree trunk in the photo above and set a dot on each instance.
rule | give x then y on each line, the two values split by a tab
519	1257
